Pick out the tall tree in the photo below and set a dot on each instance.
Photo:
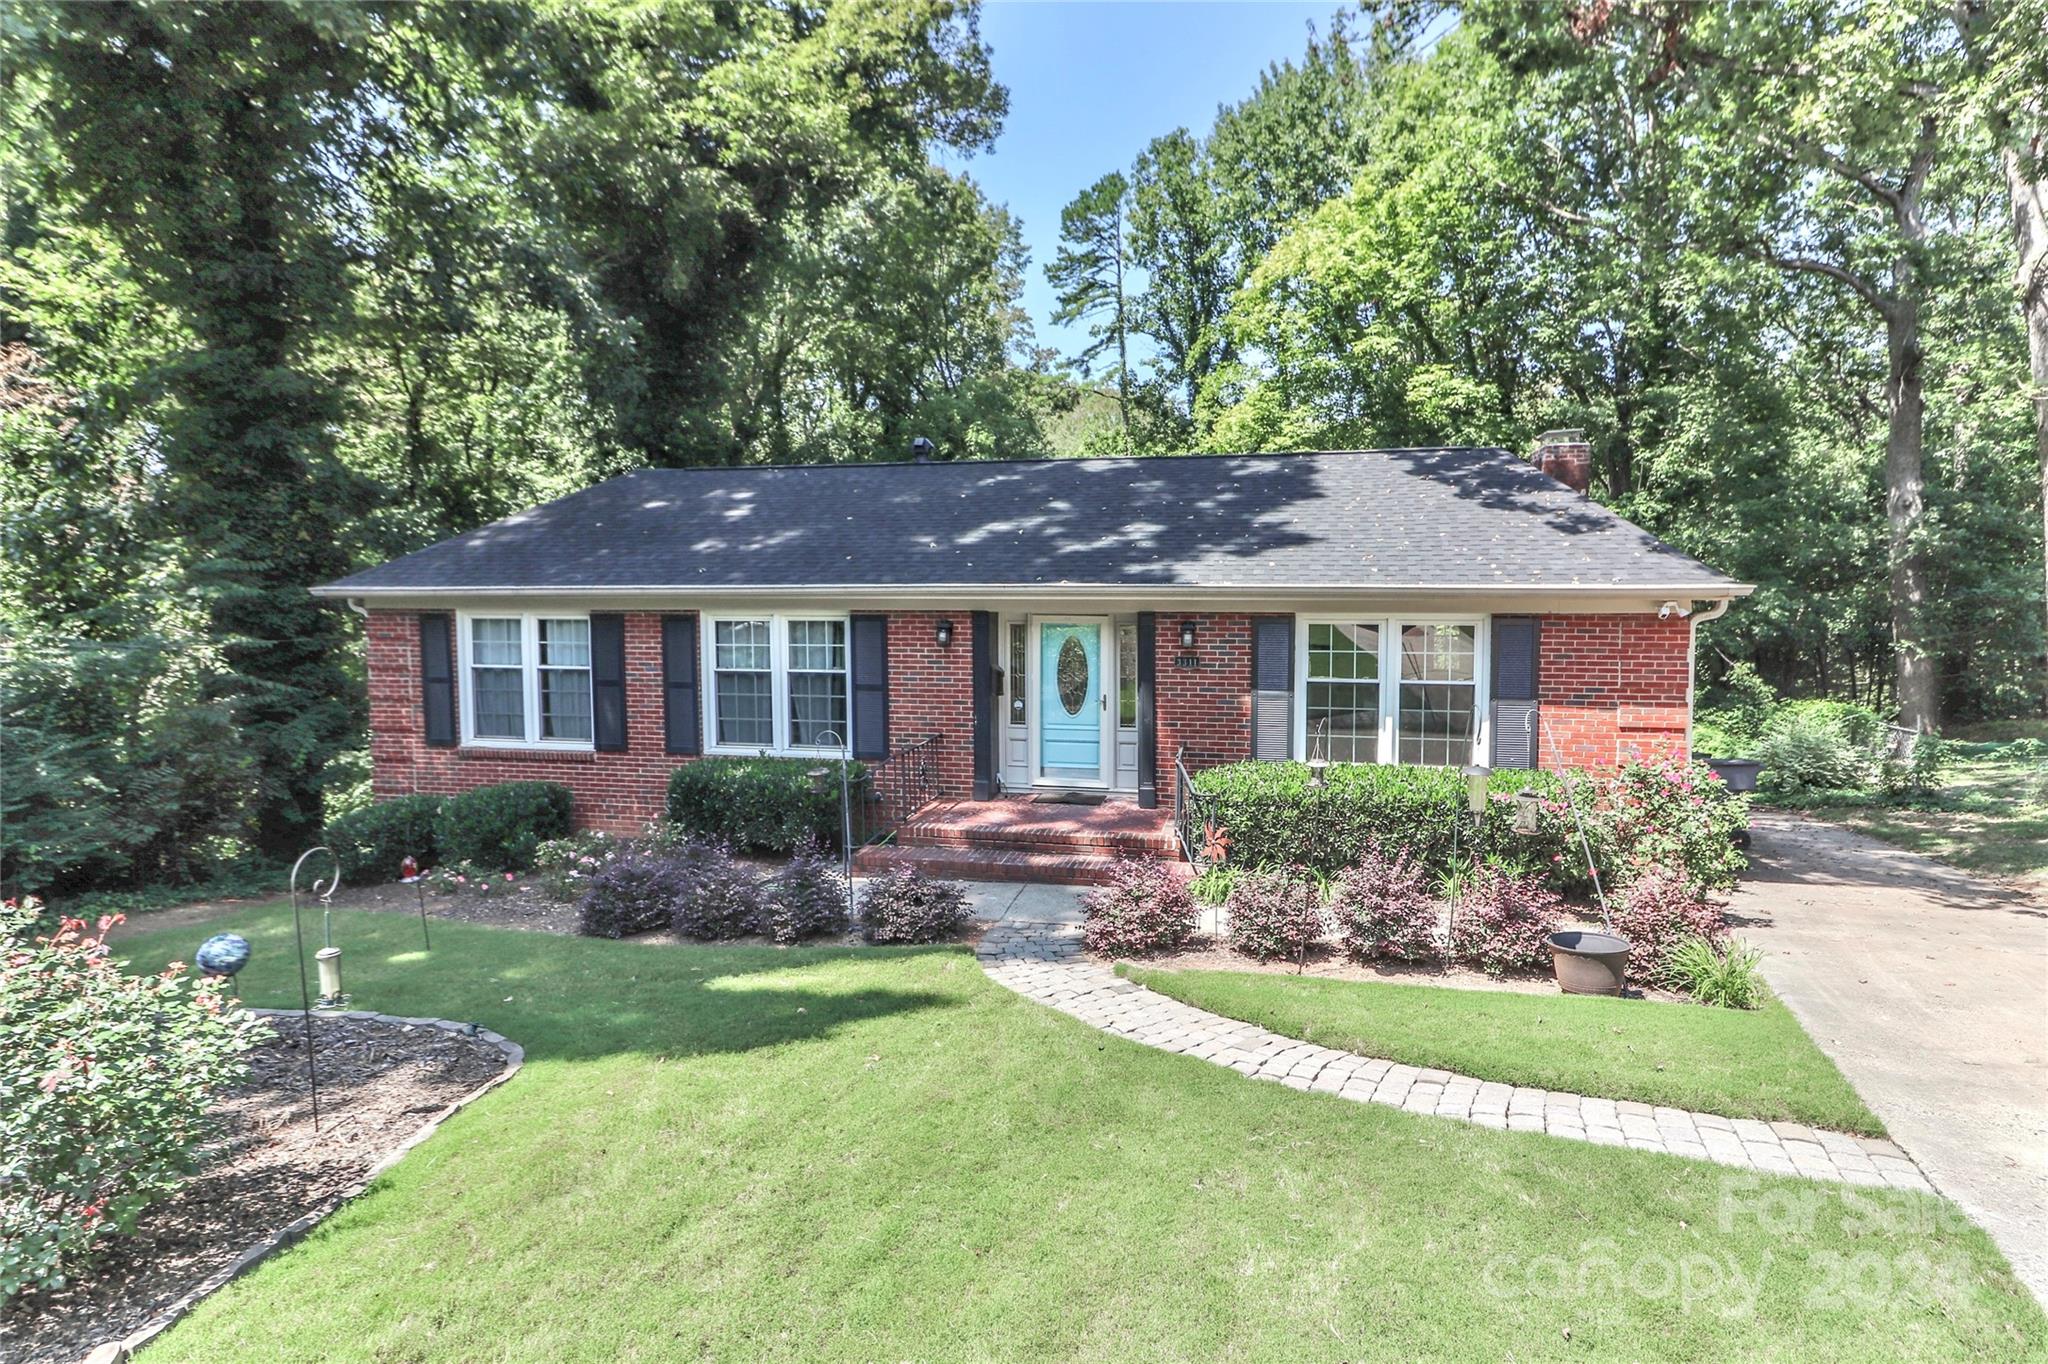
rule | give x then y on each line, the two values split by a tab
1179	238
1826	126
1088	273
211	142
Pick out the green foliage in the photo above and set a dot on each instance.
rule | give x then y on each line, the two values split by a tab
371	842
1277	816
1811	751
1724	976
1656	913
765	805
501	827
565	865
107	1086
1212	887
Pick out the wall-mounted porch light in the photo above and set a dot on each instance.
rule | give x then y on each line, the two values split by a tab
1187	634
945	633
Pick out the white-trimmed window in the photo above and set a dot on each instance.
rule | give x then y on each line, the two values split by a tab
1408	690
1439	694
777	683
1343	680
526	680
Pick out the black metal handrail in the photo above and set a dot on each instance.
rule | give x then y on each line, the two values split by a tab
893	790
1190	814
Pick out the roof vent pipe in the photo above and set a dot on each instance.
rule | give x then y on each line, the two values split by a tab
922	449
1566	457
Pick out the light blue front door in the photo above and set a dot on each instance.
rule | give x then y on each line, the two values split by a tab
1070	701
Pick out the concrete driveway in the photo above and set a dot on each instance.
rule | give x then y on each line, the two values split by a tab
1929	988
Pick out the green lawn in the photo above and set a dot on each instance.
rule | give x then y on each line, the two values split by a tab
1739	1064
862	1155
1990	816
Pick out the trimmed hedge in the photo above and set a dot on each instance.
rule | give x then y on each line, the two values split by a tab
502	827
372	841
1277	817
760	805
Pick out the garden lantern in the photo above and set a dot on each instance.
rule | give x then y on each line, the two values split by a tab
1528	811
1319	754
1476	778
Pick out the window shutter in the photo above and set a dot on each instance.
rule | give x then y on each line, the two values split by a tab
608	681
1273	688
1517	721
981	669
1148	710
870	686
679	685
437	677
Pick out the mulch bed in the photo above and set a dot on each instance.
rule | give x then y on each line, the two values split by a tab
379	1083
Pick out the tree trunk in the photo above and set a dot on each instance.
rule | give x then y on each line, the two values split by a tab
2030	235
1905	501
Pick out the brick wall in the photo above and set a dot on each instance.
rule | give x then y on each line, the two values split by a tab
1613	688
617	792
930	691
1207	707
620	792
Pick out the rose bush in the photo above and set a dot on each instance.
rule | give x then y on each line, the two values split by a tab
107	1086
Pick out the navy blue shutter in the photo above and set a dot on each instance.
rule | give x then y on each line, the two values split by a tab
981	666
679	685
1516	719
437	677
608	681
1148	710
1273	688
870	686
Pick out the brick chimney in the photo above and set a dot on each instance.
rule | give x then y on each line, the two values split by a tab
1566	457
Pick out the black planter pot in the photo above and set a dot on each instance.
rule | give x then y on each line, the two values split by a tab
1737	774
1589	963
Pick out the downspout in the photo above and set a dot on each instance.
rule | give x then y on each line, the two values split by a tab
1715	612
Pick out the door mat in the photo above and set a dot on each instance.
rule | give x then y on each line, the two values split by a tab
1069	798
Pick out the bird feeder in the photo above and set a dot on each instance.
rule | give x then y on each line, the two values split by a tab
1476	778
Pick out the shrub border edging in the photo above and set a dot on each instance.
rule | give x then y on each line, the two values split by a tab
113	1352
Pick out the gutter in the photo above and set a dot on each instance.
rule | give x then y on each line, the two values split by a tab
975	592
1715	612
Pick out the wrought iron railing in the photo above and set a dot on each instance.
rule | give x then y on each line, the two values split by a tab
892	791
1190	815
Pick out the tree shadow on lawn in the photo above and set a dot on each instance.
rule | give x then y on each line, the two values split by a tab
572	999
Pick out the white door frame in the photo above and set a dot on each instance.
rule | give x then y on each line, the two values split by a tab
1105	758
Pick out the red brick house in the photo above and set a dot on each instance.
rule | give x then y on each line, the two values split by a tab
1058	624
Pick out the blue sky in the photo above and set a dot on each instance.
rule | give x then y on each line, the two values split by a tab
1092	81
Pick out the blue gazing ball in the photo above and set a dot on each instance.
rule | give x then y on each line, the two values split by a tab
223	954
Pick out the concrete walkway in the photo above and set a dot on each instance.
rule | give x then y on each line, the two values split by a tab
1929	988
1033	946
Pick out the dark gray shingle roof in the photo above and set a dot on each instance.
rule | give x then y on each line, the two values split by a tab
1367	519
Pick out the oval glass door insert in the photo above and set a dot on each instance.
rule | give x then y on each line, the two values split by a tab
1073	675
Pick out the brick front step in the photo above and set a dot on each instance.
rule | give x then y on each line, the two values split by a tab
1026	826
990	864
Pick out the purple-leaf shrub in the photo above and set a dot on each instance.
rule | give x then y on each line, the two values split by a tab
1145	906
807	898
1275	914
107	1088
721	897
1503	920
1381	908
1659	910
632	893
908	906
